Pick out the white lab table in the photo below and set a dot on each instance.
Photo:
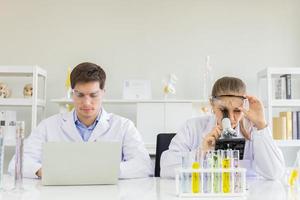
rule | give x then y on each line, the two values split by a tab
139	189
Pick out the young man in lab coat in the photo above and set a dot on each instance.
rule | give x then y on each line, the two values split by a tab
87	122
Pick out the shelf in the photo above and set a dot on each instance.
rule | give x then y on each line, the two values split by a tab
35	73
21	71
269	102
153	101
288	143
278	71
21	102
122	101
286	103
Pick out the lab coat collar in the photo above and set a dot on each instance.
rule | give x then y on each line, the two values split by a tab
69	127
101	127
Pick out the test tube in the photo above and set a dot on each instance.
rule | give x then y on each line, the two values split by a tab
196	178
216	162
186	176
226	182
20	133
207	176
236	175
294	172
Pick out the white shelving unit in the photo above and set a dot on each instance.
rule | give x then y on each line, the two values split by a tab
288	147
271	103
288	143
62	102
35	102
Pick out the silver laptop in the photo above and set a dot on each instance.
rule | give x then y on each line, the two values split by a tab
80	163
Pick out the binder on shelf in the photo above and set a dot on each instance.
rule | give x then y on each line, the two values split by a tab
279	128
294	125
298	124
288	115
279	89
286	80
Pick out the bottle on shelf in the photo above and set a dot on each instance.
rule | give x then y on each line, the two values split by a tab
20	134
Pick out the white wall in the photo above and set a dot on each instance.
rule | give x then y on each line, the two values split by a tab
149	39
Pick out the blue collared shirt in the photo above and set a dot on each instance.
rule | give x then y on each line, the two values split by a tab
84	131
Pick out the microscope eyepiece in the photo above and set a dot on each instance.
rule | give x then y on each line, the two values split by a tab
225	113
228	131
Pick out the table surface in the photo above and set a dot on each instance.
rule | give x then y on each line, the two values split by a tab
146	188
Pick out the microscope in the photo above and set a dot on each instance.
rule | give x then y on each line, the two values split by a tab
228	139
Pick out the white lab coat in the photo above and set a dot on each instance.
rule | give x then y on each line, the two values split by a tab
61	127
261	154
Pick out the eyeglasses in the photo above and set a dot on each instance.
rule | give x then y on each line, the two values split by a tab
244	103
80	95
229	95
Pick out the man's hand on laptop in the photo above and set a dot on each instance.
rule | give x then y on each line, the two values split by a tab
39	173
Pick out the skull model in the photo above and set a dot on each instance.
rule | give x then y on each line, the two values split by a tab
27	91
4	91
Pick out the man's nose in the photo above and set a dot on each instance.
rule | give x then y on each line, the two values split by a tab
87	100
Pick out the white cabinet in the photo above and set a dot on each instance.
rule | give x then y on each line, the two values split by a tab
151	116
176	114
150	120
161	117
265	89
38	77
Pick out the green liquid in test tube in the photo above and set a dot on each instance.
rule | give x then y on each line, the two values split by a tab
216	160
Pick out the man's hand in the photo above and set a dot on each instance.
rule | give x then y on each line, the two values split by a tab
209	140
39	173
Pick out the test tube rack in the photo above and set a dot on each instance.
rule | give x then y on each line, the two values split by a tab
208	180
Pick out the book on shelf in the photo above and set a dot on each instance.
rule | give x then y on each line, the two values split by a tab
294	125
279	128
289	131
298	124
279	89
286	81
287	126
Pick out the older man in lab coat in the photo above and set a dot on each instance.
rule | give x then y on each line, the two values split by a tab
88	122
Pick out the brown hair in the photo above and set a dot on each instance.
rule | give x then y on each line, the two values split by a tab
87	72
228	85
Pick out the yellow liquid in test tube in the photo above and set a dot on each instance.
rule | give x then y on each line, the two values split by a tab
293	177
195	178
226	175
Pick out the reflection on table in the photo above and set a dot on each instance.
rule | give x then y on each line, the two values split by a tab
146	188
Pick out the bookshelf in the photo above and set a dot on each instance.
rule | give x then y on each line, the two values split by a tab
269	102
265	80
